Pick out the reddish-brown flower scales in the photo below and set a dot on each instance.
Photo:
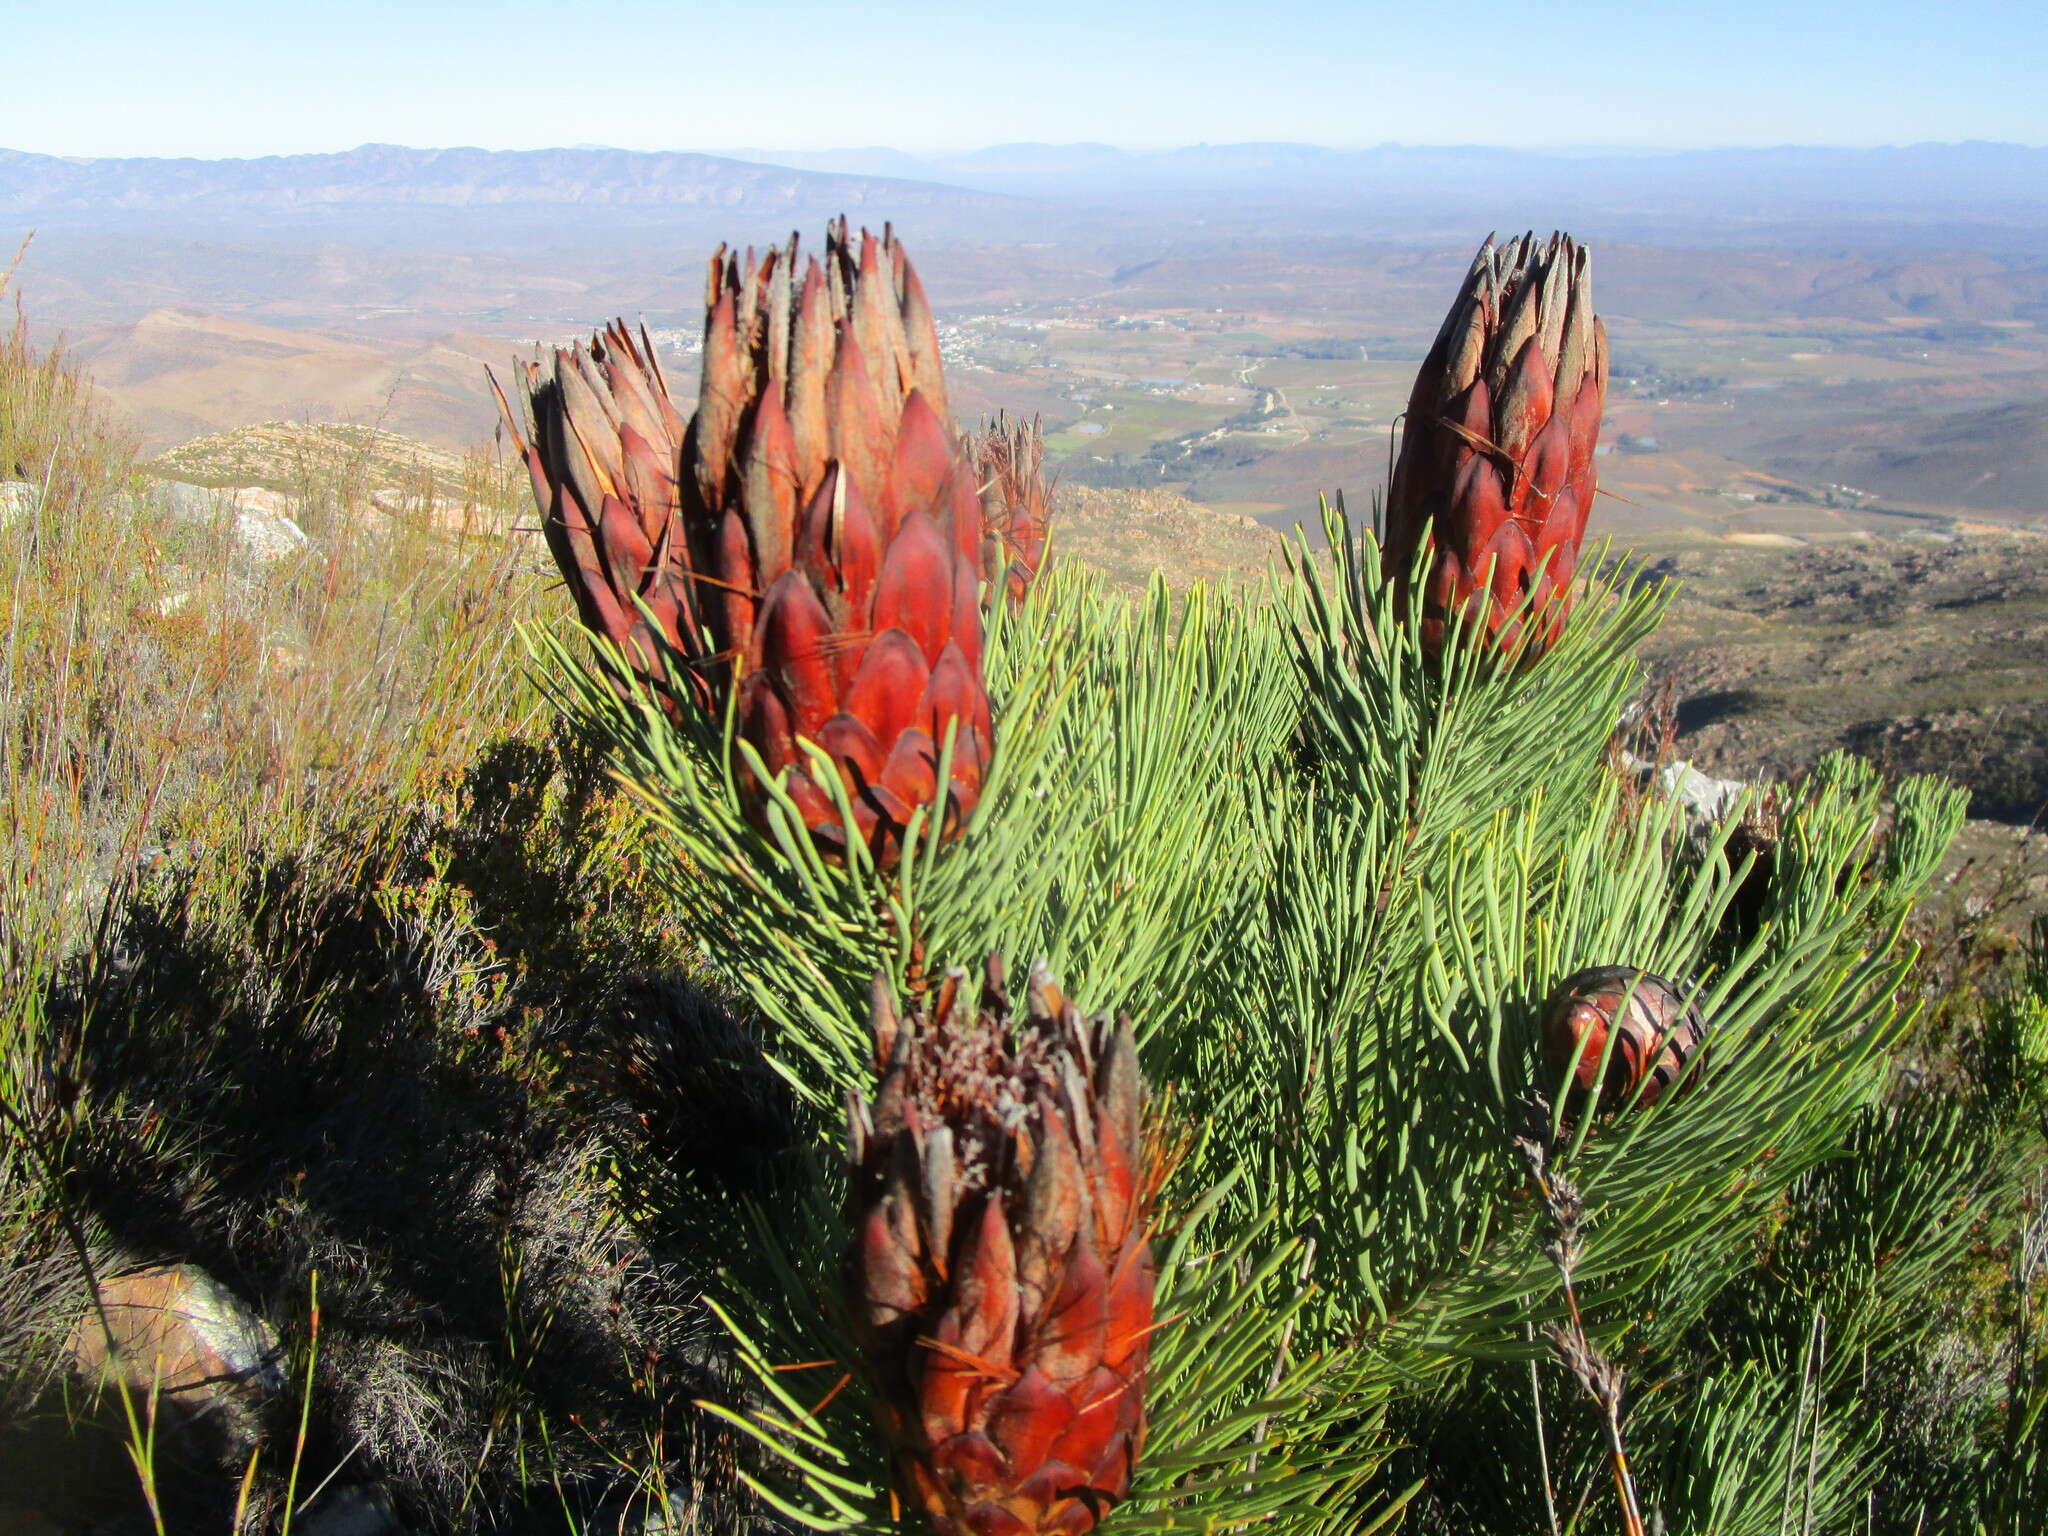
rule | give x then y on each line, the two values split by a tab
1002	1274
1016	504
1497	447
810	545
1654	1029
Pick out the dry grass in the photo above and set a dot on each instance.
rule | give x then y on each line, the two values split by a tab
312	930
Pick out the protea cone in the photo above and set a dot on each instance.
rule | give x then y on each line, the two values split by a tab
810	542
1002	1276
1497	450
1016	503
1656	1032
605	444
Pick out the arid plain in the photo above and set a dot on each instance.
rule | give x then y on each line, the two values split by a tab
1827	416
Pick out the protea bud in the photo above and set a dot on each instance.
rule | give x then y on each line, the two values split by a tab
606	442
1016	503
1497	450
1654	1029
1002	1275
820	555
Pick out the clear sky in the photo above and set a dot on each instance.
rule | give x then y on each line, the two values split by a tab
134	77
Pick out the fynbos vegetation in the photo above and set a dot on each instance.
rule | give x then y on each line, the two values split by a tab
558	1040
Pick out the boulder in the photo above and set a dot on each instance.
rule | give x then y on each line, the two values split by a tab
264	527
17	499
175	1329
1707	800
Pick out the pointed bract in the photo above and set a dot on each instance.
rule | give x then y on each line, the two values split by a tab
1016	503
818	505
1008	1325
1497	448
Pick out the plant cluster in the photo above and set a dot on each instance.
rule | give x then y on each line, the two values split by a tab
1407	1120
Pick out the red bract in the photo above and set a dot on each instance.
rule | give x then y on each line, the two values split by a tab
606	442
810	545
1655	1032
1497	447
1016	503
1002	1274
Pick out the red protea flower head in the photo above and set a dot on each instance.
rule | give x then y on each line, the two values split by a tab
809	545
1655	1032
1016	503
606	441
1497	448
1002	1274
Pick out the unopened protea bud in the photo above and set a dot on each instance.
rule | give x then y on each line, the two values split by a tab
1654	1029
605	445
1497	447
1016	503
1002	1275
810	544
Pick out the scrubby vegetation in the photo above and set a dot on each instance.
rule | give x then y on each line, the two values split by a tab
340	961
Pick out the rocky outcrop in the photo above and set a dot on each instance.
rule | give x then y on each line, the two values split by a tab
263	524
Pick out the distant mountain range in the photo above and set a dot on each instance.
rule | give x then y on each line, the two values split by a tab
1954	194
1990	183
391	189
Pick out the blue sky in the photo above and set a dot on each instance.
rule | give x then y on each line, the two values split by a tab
125	77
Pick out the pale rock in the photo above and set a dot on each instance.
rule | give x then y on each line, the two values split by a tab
1707	800
265	529
17	499
177	1331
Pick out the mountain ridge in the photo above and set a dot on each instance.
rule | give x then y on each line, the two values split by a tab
385	175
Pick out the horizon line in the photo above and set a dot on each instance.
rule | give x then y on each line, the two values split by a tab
751	153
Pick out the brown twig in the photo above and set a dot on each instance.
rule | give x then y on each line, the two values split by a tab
1599	1377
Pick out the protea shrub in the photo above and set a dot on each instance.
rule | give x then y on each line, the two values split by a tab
1002	1273
1496	463
807	547
1654	1029
1016	503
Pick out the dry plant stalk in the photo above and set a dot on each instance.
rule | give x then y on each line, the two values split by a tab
1598	1377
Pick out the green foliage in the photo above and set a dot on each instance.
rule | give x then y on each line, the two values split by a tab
1335	880
1245	1428
317	949
1111	840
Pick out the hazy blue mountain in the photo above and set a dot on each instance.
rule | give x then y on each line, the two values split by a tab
1974	193
385	183
1410	190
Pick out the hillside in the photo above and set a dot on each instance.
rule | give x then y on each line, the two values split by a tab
286	456
178	372
1128	534
1991	460
1922	653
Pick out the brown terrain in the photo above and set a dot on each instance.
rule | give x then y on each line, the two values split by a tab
1838	444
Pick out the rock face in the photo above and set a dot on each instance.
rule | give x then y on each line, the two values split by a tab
265	530
176	1330
264	527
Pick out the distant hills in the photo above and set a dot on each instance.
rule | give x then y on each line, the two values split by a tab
1747	192
1993	459
1982	195
178	373
378	184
